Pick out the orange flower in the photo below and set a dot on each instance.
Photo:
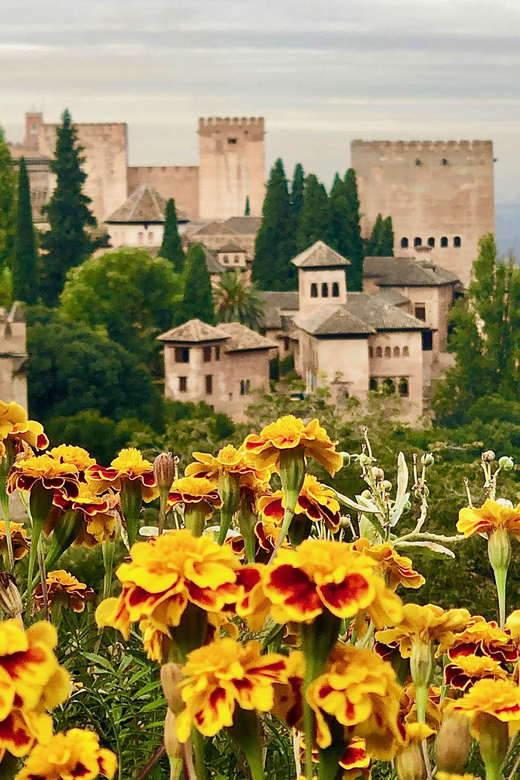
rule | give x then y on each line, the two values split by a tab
432	711
65	590
15	425
18	538
251	601
75	755
290	433
484	638
129	465
220	677
355	761
99	515
491	517
228	461
397	569
316	501
425	625
498	698
322	575
288	695
67	453
54	475
469	668
193	490
267	534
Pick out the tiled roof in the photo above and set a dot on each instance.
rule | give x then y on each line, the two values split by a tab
319	255
246	225
406	272
242	338
333	321
192	332
392	296
215	229
230	248
276	302
144	205
213	265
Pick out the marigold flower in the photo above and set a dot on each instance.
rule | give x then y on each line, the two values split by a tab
224	675
67	453
290	433
195	490
64	589
433	712
98	513
288	695
355	761
491	516
481	637
54	475
397	569
451	776
267	533
359	690
316	501
18	537
497	698
324	575
163	576
467	669
229	460
15	425
129	465
251	601
513	624
74	755
425	624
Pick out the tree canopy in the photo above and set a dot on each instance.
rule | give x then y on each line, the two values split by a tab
7	204
25	265
197	300
345	231
297	188
237	301
315	215
381	241
171	247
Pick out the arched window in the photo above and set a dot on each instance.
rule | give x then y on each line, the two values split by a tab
372	384
371	352
324	290
237	259
389	386
388	352
404	243
456	241
314	290
379	352
417	241
150	237
417	161
403	387
226	259
335	290
406	352
444	242
444	161
431	241
397	352
140	237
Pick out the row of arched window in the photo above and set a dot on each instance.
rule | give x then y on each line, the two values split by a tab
389	385
236	259
388	352
325	290
140	237
431	242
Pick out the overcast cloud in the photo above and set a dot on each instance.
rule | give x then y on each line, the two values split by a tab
322	73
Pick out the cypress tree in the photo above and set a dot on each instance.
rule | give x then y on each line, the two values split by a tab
297	188
385	247
67	242
25	260
315	216
375	238
197	302
171	247
352	243
275	244
247	210
7	205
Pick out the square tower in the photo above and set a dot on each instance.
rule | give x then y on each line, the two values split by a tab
231	167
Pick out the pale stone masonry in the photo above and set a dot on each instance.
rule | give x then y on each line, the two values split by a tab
139	222
13	356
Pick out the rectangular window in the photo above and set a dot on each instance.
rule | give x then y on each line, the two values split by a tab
183	384
182	354
207	354
208	381
427	341
245	385
232	141
420	311
217	352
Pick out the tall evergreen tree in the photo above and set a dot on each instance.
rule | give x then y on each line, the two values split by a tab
197	301
275	244
7	204
67	242
385	247
297	189
315	216
171	247
247	210
345	231
25	259
375	238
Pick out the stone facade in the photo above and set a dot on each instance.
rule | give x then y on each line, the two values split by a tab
180	182
438	193
13	382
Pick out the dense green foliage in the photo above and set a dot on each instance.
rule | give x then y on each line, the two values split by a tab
237	301
197	298
297	188
314	222
171	247
247	209
381	241
68	242
7	204
25	264
345	230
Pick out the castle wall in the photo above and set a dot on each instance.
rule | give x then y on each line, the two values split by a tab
432	190
231	167
180	182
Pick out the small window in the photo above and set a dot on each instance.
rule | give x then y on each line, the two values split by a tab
444	161
208	382
182	355
245	385
404	391
388	352
427	341
183	384
417	161
207	354
406	352
286	344
379	352
237	259
335	290
140	237
444	242
420	311
417	241
397	352
314	290
372	384
8	332
232	141
324	290
226	259
389	386
404	243
150	237
431	241
217	352
456	241
371	352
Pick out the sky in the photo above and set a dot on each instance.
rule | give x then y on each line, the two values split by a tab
321	72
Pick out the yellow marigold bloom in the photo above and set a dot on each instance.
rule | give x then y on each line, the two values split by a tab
64	589
355	761
498	698
360	691
467	669
433	711
129	465
228	461
75	755
316	501
481	637
98	513
290	433
251	601
397	569
324	575
267	533
426	625
492	516
194	490
416	733
67	453
221	676
288	694
61	477
513	624
451	776
18	538
164	575
15	425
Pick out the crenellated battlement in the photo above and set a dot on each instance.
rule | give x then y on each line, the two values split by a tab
230	122
422	146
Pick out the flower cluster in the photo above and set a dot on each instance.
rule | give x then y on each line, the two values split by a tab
75	755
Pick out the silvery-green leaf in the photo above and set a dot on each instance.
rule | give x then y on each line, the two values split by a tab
397	509
402	477
149	530
430	549
363	505
367	530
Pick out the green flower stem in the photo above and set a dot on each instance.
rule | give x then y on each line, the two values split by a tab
499	553
245	732
43	577
4	500
493	743
195	517
501	582
131	504
8	767
292	474
66	531
40	503
163	510
108	549
246	522
229	491
198	750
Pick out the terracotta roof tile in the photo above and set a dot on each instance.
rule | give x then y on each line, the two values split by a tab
245	225
406	272
192	332
144	205
242	339
319	255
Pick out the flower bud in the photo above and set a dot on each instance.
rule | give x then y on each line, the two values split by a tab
506	464
488	456
171	741
387	484
453	743
499	549
10	599
492	741
410	765
378	474
421	664
364	459
427	460
164	471
171	676
346	458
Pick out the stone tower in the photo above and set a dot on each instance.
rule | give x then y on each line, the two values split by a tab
231	167
439	194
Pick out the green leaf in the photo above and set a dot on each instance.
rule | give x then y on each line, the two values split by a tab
428	549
